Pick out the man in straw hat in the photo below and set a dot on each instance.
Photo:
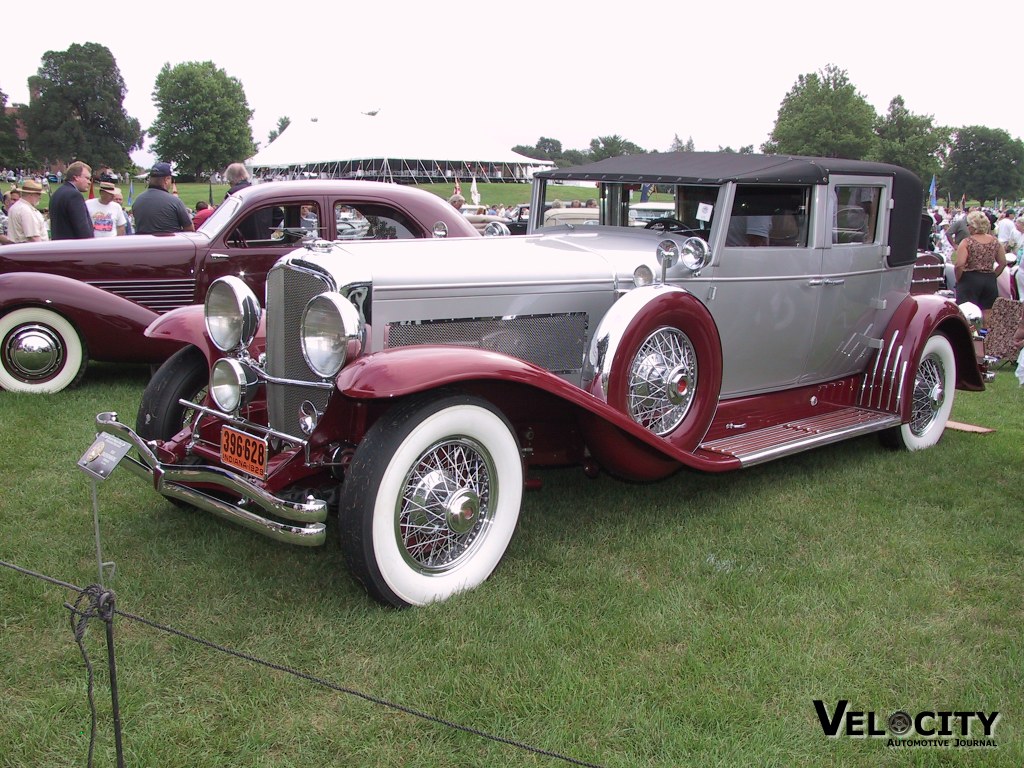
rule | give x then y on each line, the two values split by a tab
108	218
25	224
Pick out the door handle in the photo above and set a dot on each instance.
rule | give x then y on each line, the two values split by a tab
219	257
834	282
814	282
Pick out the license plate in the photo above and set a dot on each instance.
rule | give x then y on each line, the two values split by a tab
244	452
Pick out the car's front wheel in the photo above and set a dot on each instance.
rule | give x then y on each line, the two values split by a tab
184	376
40	351
932	393
431	499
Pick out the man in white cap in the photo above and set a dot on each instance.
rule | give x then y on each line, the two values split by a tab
108	219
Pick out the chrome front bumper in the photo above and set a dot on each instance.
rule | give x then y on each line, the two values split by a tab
176	481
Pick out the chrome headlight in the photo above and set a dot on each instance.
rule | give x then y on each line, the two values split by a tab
232	384
331	331
232	313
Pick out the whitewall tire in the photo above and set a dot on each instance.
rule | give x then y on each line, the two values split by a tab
932	398
431	499
40	351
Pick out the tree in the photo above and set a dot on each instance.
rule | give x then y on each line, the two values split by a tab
679	146
282	123
77	109
744	150
984	164
12	153
612	146
910	140
544	149
824	115
203	117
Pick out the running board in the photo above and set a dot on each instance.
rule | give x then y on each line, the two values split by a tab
795	436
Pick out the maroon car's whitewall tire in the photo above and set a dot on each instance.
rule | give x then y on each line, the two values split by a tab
932	398
40	351
431	499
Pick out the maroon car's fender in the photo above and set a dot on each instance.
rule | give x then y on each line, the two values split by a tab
916	319
188	325
112	328
408	370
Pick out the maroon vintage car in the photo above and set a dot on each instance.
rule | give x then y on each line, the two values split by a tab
67	302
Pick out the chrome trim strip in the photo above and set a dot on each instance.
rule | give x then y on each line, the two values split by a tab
899	394
893	383
244	423
172	480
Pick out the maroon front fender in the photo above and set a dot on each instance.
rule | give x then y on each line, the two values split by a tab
113	328
187	325
408	370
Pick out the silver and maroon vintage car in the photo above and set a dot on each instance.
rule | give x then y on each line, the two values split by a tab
409	387
66	302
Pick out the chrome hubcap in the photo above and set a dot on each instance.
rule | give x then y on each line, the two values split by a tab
33	353
445	509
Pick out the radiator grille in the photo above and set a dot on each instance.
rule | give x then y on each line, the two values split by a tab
554	342
158	295
288	291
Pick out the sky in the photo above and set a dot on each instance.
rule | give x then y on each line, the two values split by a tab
516	71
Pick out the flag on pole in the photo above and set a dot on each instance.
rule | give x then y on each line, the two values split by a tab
474	193
932	201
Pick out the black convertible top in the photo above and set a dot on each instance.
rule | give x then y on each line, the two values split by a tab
720	167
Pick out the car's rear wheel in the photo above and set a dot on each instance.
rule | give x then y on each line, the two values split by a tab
184	375
40	351
932	393
431	499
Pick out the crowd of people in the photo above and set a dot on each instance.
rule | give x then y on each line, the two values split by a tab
70	216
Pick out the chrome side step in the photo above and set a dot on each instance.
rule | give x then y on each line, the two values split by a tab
795	436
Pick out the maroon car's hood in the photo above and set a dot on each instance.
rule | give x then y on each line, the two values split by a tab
106	258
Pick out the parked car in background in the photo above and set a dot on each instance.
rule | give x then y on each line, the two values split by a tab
66	302
410	387
642	214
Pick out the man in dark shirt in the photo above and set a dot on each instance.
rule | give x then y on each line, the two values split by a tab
69	217
156	210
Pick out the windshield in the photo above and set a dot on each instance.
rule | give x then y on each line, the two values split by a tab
670	207
220	217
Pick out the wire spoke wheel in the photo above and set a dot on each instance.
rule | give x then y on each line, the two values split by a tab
662	381
929	394
445	505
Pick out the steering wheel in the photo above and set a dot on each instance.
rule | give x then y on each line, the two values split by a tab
237	239
668	224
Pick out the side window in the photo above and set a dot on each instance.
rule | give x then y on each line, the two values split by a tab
768	216
275	226
371	222
855	219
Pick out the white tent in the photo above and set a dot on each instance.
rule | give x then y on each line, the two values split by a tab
387	150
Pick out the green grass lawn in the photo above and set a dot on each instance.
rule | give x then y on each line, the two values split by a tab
687	622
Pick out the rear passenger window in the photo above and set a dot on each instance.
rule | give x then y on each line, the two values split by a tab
856	215
371	222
